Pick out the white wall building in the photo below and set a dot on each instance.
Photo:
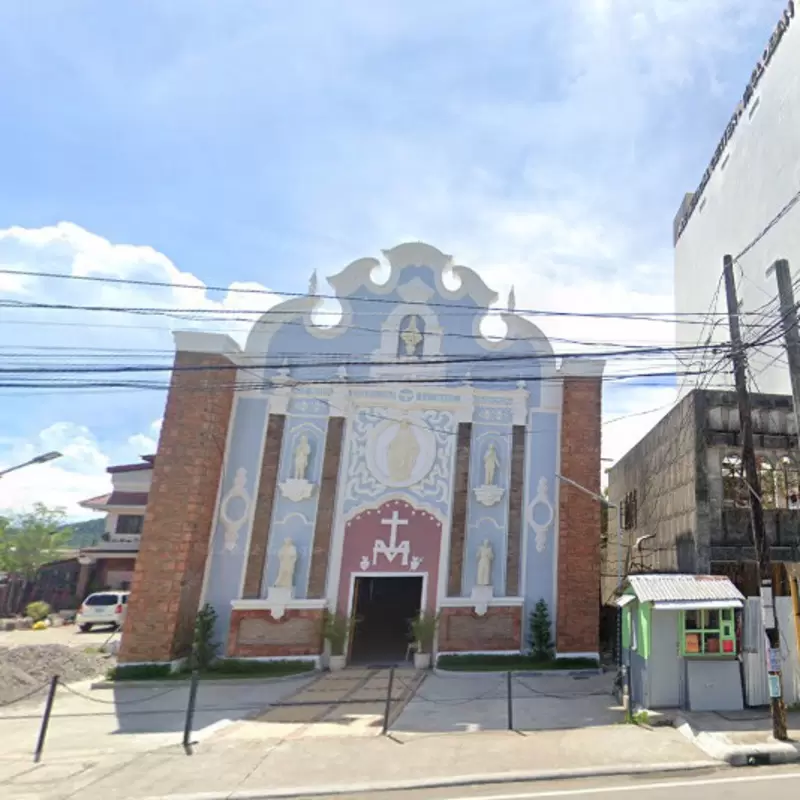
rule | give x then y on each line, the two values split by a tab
753	174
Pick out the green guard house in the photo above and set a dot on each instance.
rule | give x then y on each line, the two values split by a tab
680	643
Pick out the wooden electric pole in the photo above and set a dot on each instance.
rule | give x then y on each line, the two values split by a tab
753	483
792	338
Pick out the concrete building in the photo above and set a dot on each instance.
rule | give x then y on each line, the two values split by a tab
397	462
683	499
110	563
753	173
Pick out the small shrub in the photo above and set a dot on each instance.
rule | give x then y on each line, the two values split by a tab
423	629
539	629
204	648
38	610
134	672
336	629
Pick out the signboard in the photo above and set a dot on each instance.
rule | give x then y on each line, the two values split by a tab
774	686
773	660
755	78
767	606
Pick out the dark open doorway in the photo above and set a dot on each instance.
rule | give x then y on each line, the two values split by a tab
384	607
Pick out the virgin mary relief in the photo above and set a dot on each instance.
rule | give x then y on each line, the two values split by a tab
403	453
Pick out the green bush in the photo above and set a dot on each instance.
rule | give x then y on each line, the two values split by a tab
236	666
539	632
204	648
38	610
511	663
136	672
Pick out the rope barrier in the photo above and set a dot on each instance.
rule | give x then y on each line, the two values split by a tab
25	696
116	702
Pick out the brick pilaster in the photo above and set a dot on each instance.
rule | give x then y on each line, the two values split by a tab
458	519
262	517
577	627
168	578
326	508
516	495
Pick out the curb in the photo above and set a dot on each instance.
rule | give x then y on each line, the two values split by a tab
444	783
541	673
738	755
179	683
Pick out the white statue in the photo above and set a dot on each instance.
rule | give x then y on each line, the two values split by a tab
411	337
490	464
512	300
485	559
312	283
287	559
301	455
403	453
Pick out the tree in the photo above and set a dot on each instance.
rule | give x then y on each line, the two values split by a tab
539	631
32	539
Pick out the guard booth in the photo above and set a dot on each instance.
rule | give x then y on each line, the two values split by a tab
679	642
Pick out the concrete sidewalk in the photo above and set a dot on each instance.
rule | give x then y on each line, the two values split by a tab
736	737
224	766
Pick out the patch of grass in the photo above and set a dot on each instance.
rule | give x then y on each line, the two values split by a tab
138	672
219	670
641	718
233	667
512	663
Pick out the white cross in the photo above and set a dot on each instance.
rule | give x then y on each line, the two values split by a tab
393	548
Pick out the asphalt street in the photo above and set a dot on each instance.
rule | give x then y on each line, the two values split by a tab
725	783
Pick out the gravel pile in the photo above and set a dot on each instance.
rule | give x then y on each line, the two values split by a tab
24	668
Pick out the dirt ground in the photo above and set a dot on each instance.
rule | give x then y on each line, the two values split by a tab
28	659
69	635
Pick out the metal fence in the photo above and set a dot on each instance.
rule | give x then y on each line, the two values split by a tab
754	652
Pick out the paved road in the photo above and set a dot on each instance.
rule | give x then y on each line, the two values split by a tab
778	783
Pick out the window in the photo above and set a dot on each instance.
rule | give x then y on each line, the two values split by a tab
629	511
129	523
102	600
733	485
708	632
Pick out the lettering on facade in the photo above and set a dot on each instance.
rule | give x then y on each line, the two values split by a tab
755	78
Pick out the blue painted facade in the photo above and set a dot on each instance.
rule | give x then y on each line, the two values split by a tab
360	369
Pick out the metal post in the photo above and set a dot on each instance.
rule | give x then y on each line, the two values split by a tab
388	710
187	728
48	707
510	702
761	546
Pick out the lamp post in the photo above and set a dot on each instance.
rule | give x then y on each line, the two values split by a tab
623	672
41	459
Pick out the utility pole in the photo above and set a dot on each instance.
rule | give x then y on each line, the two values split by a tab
792	339
777	707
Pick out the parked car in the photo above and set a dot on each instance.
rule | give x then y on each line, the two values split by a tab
103	608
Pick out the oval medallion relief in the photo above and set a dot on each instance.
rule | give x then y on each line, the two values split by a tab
401	453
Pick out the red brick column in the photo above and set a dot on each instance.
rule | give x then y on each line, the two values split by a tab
578	621
458	519
169	568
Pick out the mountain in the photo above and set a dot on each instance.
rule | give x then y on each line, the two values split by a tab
86	533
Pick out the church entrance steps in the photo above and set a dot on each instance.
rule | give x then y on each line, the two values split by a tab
347	703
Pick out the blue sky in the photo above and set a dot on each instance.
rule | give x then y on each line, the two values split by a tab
546	144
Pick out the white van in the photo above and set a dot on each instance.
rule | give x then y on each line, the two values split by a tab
102	608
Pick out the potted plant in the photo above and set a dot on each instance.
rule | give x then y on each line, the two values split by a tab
423	629
336	629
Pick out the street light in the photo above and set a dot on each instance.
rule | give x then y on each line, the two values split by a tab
602	500
42	459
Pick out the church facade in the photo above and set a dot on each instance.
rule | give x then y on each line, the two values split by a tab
397	462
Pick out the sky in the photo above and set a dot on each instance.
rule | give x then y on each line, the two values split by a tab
545	144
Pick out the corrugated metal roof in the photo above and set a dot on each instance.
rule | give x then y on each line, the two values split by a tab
666	588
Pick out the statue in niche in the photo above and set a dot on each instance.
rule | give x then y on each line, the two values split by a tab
490	464
485	559
412	337
287	560
301	456
403	453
